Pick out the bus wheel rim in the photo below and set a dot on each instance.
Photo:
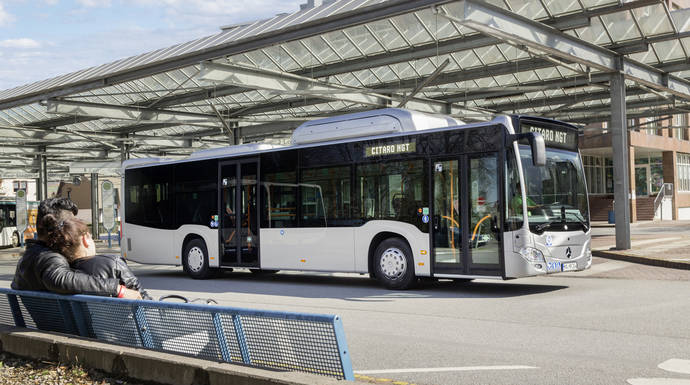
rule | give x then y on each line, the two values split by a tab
195	259
393	263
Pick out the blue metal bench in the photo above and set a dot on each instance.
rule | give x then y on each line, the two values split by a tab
311	343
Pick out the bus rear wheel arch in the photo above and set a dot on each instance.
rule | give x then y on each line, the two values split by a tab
195	260
393	264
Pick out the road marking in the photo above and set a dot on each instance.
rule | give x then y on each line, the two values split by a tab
451	369
657	381
676	365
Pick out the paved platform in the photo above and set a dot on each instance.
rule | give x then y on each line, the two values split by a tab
654	243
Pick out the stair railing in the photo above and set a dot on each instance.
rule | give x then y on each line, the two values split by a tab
666	190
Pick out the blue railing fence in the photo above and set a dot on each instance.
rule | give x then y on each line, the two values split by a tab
312	343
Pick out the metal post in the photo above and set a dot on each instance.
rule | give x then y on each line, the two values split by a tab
621	175
94	206
44	175
42	180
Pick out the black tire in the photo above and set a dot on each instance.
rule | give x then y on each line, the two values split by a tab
195	260
394	264
261	272
15	239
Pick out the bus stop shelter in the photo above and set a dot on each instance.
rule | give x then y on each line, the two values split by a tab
581	61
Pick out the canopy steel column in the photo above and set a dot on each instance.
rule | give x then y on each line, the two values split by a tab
42	181
621	174
94	206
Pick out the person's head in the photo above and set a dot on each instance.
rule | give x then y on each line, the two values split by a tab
69	236
56	207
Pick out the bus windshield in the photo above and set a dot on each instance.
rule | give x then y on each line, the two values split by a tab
556	194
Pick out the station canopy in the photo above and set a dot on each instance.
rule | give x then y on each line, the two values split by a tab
258	81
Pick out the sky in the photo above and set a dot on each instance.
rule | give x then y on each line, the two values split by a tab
40	39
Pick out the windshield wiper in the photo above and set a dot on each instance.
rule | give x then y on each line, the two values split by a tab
585	226
543	226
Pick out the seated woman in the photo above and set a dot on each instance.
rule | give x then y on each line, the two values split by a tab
71	238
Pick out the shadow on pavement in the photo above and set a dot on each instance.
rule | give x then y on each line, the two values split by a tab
349	288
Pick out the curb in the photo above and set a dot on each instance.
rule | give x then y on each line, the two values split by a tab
640	260
141	364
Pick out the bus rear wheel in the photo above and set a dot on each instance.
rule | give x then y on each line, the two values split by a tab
195	260
394	264
15	239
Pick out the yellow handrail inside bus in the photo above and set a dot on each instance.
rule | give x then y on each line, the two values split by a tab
474	233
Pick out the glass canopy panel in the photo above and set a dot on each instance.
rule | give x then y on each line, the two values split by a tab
644	57
440	27
486	82
283	61
456	8
653	20
547	73
562	7
467	59
300	54
506	80
595	33
239	59
669	50
321	49
424	66
527	77
386	34
686	43
528	8
403	70
412	29
621	26
489	55
367	77
363	40
512	53
260	59
340	42
589	4
385	74
681	19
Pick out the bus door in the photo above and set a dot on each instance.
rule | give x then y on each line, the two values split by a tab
464	234
239	222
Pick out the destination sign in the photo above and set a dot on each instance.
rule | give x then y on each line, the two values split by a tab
390	149
554	137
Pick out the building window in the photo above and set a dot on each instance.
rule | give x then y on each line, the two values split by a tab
680	125
599	174
652	127
683	163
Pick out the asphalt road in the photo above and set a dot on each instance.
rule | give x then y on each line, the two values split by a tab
580	328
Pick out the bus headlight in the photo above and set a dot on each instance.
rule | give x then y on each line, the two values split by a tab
531	254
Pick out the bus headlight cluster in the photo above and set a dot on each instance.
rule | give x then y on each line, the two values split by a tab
531	254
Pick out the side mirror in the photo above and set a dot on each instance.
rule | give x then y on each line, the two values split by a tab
536	142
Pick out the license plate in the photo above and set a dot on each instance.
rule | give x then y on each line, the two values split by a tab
553	267
570	266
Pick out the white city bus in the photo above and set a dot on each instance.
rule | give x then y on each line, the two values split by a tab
394	193
9	236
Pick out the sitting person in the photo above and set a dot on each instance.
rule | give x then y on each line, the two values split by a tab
43	269
70	236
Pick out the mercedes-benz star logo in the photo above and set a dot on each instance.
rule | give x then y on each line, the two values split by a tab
568	252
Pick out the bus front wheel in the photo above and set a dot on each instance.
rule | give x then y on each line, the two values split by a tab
15	239
394	264
195	260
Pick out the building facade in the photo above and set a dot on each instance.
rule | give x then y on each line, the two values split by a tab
659	154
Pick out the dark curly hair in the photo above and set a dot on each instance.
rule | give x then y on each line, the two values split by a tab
65	233
56	207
